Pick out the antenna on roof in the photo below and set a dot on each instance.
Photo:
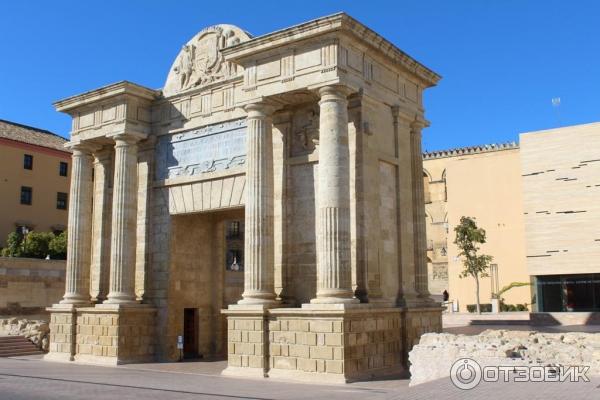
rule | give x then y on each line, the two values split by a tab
556	105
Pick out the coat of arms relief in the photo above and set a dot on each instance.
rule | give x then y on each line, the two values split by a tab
200	61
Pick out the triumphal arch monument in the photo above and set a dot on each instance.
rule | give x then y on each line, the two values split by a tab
265	206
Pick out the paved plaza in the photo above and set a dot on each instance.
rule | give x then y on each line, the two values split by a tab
32	378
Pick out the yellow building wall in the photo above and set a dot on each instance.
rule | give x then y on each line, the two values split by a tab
45	180
487	186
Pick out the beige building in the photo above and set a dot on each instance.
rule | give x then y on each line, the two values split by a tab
561	192
34	180
267	204
482	182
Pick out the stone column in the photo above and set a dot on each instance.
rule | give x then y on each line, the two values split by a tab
334	275
124	214
100	268
419	210
259	286
79	240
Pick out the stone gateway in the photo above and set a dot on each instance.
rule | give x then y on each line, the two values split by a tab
266	206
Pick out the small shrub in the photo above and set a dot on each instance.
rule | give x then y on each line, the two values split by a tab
513	307
37	244
58	246
486	307
14	247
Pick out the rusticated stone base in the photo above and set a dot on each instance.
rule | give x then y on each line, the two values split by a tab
105	334
325	343
63	320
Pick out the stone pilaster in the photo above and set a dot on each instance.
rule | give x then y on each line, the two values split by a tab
124	215
419	227
79	240
334	275
406	240
100	268
259	285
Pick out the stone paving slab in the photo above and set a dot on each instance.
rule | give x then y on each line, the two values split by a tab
32	378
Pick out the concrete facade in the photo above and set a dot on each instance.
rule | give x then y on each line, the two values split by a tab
279	180
561	173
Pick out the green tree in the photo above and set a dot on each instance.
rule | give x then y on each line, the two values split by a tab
37	244
58	246
14	247
468	238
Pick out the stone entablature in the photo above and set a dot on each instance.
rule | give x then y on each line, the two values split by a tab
299	133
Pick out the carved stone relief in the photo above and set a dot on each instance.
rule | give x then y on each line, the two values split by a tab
200	61
305	130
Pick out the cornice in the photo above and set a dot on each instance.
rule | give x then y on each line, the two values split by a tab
340	22
120	88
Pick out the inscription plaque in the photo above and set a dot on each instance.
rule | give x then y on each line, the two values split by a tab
207	149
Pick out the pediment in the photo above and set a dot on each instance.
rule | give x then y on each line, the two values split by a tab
200	61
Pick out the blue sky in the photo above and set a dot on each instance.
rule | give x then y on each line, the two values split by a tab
502	61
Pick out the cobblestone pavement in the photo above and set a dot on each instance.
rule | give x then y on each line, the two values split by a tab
32	378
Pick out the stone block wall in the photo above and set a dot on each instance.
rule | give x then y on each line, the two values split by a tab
419	321
246	342
334	346
29	285
115	336
62	335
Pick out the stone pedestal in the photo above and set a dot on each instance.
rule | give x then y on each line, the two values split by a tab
247	341
108	334
113	334
334	343
63	318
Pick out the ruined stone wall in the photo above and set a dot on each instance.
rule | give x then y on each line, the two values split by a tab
433	357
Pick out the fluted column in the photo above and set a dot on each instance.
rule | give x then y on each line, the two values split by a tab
124	214
419	211
334	275
259	286
79	228
100	268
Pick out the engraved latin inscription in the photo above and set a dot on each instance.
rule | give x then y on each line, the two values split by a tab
207	149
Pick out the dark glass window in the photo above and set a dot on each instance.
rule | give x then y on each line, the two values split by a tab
559	293
28	161
26	195
61	201
63	168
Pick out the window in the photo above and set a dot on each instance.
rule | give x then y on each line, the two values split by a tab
28	161
63	168
61	201
23	229
234	246
26	195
